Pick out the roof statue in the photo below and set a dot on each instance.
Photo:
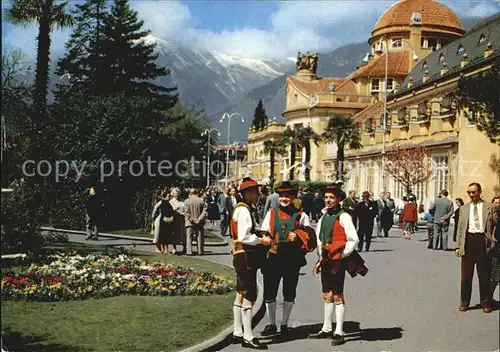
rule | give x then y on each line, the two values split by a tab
308	62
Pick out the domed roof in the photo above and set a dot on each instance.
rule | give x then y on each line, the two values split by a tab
433	14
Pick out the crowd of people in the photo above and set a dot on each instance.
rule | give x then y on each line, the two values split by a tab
274	231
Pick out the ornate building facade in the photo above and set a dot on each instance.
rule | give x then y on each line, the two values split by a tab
418	51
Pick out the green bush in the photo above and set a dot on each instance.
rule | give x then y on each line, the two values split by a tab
21	215
311	187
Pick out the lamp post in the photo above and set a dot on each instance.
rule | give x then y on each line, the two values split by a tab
208	133
229	116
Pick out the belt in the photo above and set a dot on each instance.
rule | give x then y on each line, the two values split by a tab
475	233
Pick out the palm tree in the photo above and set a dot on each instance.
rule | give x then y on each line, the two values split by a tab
47	15
303	138
343	131
273	147
288	139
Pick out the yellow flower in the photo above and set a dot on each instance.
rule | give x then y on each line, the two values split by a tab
90	288
172	287
132	285
56	286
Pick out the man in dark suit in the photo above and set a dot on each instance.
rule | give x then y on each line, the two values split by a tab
474	241
221	204
366	211
319	204
349	205
307	202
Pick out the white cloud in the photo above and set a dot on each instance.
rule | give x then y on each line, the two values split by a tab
296	26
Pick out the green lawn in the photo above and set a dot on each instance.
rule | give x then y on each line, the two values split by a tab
209	235
124	323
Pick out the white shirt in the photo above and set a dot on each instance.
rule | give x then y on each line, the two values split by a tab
266	224
350	231
233	200
472	226
244	220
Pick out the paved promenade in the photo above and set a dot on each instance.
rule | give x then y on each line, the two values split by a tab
407	302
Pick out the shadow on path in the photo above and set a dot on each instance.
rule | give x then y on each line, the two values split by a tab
379	250
352	329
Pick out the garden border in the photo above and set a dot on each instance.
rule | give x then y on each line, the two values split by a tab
123	237
223	338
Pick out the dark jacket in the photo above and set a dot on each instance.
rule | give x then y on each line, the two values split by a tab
93	207
366	213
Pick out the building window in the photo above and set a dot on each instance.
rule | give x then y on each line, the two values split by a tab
397	43
432	43
375	85
471	117
460	50
390	84
424	65
440	173
420	191
482	39
369	125
441	58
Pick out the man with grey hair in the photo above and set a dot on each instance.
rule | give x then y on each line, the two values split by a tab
442	210
195	212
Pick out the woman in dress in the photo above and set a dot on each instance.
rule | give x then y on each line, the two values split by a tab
409	217
163	215
179	227
213	208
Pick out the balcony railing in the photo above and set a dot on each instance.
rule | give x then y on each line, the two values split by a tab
336	98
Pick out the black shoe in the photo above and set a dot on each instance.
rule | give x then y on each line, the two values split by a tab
284	329
254	344
269	330
321	335
337	340
237	339
88	238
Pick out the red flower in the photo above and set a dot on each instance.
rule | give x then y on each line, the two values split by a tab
124	270
8	279
55	278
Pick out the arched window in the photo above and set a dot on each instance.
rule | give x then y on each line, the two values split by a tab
461	49
482	39
441	58
424	65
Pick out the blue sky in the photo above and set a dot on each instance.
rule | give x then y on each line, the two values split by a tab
254	29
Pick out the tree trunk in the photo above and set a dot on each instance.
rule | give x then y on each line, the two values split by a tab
340	161
42	76
307	159
292	161
272	156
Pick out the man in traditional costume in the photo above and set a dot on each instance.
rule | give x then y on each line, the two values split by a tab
292	237
337	240
246	254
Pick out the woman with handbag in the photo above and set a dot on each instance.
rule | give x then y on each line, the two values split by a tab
163	215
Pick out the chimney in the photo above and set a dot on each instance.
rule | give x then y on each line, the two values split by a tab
489	50
465	61
426	76
444	70
410	82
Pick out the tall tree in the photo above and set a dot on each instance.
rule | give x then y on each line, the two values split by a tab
343	131
47	14
259	116
131	59
83	62
273	147
480	95
303	137
409	166
288	139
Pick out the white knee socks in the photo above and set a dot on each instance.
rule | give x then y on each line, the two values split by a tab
339	318
271	312
328	317
246	314
238	328
287	309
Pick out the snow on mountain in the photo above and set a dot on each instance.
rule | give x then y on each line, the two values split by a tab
210	77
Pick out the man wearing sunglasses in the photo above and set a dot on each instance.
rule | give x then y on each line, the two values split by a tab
474	240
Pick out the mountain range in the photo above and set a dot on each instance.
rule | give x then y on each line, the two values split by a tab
224	83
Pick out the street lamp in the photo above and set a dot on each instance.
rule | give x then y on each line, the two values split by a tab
229	116
208	133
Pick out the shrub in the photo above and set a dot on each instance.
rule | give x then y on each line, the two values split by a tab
312	187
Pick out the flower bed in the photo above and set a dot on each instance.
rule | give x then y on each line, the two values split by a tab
74	277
